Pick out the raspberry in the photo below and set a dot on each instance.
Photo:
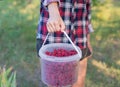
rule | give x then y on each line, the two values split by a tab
60	74
61	52
48	53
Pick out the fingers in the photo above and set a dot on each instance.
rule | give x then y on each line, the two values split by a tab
55	25
49	28
62	26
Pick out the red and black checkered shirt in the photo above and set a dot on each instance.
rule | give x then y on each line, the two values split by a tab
76	15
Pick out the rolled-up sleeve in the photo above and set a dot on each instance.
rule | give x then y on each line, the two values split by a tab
47	2
88	5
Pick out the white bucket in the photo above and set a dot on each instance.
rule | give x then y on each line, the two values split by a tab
58	71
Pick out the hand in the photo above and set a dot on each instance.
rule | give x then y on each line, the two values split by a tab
55	22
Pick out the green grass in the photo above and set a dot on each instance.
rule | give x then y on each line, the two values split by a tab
104	67
18	24
7	77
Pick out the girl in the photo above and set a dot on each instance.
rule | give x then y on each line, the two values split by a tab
72	16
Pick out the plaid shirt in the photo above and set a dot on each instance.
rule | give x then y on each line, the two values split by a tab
76	16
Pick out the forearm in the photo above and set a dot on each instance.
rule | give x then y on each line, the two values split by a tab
55	22
88	37
53	9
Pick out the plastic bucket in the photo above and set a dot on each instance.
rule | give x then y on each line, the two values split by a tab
59	72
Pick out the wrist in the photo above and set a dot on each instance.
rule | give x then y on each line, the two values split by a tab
53	9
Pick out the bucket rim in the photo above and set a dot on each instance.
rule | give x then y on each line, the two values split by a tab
59	59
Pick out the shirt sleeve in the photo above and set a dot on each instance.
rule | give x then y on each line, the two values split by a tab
47	2
88	5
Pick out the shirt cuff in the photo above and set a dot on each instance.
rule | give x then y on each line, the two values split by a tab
47	2
90	28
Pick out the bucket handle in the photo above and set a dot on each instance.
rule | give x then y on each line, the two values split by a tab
68	39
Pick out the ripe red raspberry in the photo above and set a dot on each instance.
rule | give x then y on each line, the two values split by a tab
61	52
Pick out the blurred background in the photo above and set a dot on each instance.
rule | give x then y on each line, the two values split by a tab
18	24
